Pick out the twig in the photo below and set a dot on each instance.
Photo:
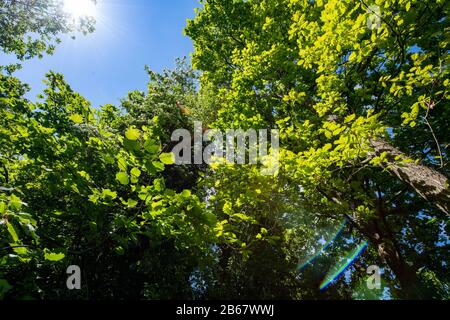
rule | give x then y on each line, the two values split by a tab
434	136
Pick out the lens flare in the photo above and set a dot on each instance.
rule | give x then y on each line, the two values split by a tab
303	265
337	271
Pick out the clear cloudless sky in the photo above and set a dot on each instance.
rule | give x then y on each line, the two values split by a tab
105	65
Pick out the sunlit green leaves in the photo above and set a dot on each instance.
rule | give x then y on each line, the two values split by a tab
132	203
158	166
122	163
186	193
96	182
108	194
349	118
52	256
15	202
135	172
76	118
123	178
167	158
39	18
151	146
12	232
132	134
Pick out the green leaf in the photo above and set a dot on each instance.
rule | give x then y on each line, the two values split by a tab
76	118
131	145
158	184
153	149
132	134
186	193
119	250
167	158
150	168
107	193
51	256
136	172
21	251
2	207
132	203
12	232
210	219
15	202
152	146
123	178
408	6
122	164
158	165
349	118
241	216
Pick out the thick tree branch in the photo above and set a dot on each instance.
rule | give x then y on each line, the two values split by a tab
430	184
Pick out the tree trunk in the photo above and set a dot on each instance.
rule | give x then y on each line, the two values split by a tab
391	255
428	183
406	275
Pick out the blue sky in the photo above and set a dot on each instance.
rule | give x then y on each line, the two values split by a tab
105	65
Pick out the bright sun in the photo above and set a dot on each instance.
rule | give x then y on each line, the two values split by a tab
79	8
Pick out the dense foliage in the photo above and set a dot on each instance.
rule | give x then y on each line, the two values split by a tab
363	115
